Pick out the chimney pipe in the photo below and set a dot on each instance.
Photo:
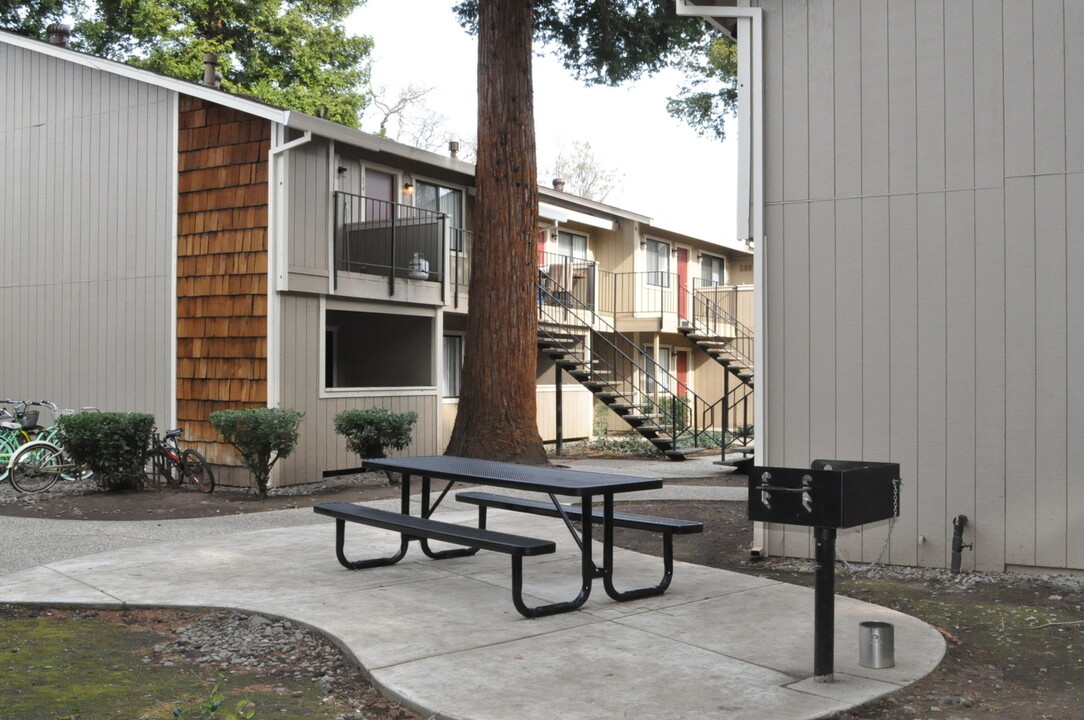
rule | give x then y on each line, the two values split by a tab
453	148
59	34
210	74
558	184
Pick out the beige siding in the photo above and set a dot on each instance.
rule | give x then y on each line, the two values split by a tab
308	208
86	199
924	164
301	379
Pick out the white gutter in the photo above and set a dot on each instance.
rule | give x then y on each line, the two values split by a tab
751	165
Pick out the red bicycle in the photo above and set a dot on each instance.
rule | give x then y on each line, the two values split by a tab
170	465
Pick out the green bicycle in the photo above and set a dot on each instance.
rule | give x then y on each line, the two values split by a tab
15	430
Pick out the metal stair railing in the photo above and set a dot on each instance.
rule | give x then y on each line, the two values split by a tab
639	384
707	315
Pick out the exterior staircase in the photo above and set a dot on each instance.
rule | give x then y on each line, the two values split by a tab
642	393
718	333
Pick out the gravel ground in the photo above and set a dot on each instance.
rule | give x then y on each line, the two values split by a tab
241	641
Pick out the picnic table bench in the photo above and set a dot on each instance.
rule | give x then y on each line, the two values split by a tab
551	481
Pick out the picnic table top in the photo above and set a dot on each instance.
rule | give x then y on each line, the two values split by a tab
560	481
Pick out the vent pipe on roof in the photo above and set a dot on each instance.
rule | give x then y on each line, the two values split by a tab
59	34
453	148
211	76
558	184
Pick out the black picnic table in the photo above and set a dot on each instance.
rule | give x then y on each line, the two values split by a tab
551	481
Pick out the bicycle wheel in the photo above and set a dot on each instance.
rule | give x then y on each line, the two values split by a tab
36	466
10	441
197	471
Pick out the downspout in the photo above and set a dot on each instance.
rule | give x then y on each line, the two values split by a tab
276	254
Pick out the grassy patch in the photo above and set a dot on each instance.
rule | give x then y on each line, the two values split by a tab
77	668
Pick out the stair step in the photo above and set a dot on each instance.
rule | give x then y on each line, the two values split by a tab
639	417
678	454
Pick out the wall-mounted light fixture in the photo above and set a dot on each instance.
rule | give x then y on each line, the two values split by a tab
408	187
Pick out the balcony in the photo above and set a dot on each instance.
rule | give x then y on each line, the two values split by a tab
398	242
563	277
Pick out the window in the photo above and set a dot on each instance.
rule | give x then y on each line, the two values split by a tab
712	270
453	365
571	245
658	263
369	350
653	371
429	196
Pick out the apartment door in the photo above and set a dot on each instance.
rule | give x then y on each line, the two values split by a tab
683	283
681	363
379	195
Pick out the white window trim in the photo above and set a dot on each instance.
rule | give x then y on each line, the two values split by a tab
325	393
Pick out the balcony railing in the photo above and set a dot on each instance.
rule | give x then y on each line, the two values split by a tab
376	237
638	294
459	262
562	277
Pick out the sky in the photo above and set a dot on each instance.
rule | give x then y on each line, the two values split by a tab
684	182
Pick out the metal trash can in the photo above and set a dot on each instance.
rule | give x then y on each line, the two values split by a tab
876	645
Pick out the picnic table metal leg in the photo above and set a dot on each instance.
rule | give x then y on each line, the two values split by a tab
588	571
608	559
340	538
404	541
426	512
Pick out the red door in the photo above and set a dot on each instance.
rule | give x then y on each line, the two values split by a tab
683	283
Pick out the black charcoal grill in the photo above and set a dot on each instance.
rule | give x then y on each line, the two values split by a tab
830	495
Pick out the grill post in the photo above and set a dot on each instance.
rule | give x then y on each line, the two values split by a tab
824	610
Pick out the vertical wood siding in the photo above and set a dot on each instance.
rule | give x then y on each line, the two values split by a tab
221	267
924	169
319	448
86	193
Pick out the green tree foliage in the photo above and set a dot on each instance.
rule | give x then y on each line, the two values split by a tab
293	53
30	18
712	93
614	41
607	42
261	435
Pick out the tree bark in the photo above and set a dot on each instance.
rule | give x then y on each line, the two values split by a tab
497	405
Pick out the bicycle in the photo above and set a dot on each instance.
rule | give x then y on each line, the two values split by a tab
42	460
169	464
13	432
38	464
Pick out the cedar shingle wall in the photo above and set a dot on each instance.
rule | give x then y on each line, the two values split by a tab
221	268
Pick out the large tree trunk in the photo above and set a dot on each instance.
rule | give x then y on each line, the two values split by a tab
497	413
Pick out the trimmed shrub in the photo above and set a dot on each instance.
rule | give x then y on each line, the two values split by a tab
370	432
113	445
261	435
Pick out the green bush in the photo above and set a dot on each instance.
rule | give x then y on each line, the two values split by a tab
114	445
261	436
370	432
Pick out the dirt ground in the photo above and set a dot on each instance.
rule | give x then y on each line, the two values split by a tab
1015	644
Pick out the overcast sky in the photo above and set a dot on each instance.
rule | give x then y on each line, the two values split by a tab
684	182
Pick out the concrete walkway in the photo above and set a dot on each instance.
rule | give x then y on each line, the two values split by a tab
444	638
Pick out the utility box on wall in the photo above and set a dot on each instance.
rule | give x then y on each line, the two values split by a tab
831	494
